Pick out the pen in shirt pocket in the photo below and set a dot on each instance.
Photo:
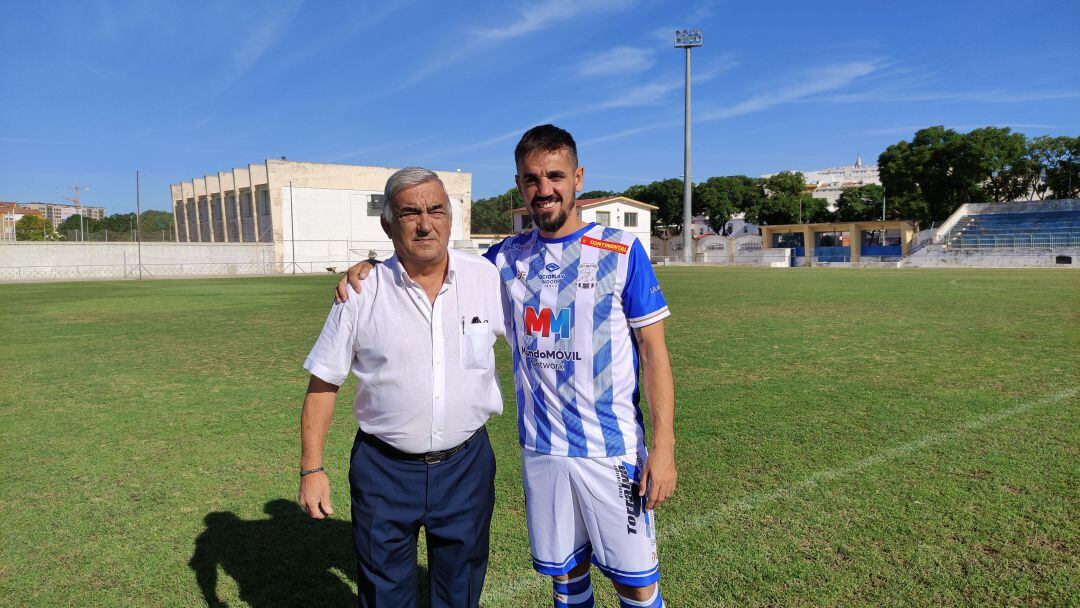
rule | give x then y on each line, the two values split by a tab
475	321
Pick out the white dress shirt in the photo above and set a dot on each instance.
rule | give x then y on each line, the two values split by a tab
426	371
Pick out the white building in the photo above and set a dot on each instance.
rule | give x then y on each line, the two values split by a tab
313	213
619	212
829	183
708	245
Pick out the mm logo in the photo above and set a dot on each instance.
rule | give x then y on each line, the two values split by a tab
544	322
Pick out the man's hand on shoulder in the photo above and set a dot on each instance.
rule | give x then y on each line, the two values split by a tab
315	495
356	273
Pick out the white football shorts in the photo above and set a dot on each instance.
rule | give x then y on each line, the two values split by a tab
582	507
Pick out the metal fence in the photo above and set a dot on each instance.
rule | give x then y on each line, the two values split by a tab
83	272
986	242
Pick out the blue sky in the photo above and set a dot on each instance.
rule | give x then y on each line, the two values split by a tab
92	91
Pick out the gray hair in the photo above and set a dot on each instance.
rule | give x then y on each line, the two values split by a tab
401	180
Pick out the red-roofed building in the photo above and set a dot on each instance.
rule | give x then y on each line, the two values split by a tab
619	212
10	214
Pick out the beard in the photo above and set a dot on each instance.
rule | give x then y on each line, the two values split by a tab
552	223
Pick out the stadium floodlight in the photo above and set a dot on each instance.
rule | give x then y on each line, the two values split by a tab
687	39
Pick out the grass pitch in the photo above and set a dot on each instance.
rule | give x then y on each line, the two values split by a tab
845	437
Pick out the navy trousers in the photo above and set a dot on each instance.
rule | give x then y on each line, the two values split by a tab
392	499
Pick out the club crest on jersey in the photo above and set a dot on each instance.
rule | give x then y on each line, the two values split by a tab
605	245
586	275
545	322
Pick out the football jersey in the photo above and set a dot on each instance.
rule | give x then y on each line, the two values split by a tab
571	305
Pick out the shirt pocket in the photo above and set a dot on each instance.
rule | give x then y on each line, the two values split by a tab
476	343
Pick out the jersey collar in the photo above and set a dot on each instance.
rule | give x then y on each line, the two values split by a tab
570	237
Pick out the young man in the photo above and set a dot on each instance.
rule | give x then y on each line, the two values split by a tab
586	312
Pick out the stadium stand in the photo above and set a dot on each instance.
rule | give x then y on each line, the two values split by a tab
1025	230
1022	234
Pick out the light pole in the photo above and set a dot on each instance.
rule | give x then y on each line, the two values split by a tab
138	214
687	39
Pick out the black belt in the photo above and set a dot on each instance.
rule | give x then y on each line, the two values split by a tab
427	457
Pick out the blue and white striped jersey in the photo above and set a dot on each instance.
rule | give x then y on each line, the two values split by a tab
571	305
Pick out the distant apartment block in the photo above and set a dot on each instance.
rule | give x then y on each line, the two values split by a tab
57	213
829	183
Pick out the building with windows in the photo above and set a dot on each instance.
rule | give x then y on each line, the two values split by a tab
10	214
829	183
57	213
310	212
619	212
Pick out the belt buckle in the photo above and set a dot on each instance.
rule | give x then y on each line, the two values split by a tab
434	457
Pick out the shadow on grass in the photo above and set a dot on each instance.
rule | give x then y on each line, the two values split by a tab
287	560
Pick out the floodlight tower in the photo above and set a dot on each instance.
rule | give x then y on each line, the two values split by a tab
687	39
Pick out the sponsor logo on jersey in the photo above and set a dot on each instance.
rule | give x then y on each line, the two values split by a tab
553	277
627	491
586	276
605	245
545	322
510	247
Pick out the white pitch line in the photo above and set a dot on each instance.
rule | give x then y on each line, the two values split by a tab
532	580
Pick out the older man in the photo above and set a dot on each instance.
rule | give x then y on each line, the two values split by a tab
425	387
586	313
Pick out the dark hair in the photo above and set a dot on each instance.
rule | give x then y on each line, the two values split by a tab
545	138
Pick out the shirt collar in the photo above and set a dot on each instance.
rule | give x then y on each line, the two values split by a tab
401	277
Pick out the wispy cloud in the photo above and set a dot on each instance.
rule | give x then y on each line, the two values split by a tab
531	17
820	80
640	95
619	60
369	150
697	16
262	33
371	16
650	93
985	96
535	16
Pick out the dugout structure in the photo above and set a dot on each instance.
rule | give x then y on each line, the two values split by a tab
842	242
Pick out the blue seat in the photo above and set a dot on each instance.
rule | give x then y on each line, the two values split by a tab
1031	229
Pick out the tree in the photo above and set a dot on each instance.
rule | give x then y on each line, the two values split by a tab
667	195
861	203
999	157
120	224
77	222
153	222
492	215
719	198
34	228
786	201
930	169
598	194
785	183
1059	158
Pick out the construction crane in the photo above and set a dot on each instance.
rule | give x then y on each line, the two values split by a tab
82	224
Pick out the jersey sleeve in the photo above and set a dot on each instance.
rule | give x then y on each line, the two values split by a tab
492	252
643	300
331	358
